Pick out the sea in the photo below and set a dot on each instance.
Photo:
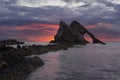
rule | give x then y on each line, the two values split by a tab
89	62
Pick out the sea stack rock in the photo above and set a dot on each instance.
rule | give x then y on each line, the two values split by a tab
73	34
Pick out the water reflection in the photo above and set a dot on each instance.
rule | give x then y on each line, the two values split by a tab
90	62
48	71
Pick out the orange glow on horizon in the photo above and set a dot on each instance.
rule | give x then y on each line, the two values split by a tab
36	26
49	38
40	39
49	30
48	34
44	38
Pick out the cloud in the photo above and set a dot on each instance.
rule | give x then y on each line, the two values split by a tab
40	3
43	3
53	11
87	12
104	30
29	32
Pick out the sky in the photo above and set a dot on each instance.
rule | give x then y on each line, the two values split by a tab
38	20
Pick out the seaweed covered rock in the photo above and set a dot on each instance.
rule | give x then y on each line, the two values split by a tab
73	34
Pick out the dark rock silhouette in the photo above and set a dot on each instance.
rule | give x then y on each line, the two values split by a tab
15	67
10	42
73	34
13	62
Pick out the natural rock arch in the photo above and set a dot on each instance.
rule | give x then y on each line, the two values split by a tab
73	34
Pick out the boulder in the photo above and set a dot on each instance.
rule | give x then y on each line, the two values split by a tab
15	67
36	61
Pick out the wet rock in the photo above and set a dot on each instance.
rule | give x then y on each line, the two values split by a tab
17	67
36	61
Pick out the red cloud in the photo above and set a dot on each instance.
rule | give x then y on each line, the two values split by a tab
48	31
36	26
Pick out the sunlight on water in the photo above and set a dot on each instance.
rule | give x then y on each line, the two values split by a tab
90	62
48	71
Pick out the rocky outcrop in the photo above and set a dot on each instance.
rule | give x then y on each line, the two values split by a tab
16	67
10	42
73	34
2	47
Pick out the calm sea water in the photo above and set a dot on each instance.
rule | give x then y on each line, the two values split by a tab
90	62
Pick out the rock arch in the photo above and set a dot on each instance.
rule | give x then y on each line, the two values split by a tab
73	34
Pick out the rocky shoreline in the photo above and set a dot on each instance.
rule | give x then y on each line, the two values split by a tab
10	42
14	66
13	62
